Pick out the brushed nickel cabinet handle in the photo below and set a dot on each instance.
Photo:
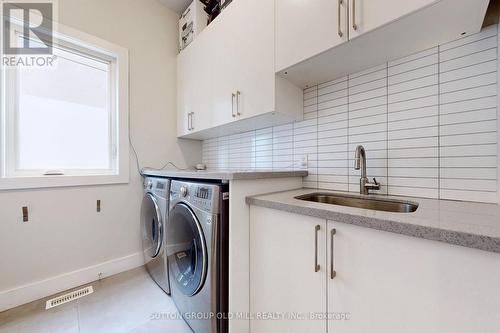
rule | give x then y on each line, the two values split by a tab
316	265
233	96
339	29
189	121
192	122
333	274
238	94
354	25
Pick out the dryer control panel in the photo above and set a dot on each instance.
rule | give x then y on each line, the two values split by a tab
157	186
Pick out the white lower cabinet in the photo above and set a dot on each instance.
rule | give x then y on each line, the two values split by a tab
382	282
284	280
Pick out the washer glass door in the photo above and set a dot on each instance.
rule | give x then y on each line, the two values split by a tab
152	226
186	250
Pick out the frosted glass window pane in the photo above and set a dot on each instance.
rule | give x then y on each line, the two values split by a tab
63	118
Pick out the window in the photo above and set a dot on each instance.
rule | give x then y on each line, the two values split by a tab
66	124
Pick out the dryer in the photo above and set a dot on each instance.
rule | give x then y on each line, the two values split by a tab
154	217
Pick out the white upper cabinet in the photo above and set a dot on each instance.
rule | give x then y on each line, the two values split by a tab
231	69
246	70
366	15
309	49
307	28
223	66
252	24
194	91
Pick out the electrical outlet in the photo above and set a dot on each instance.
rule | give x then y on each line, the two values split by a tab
304	161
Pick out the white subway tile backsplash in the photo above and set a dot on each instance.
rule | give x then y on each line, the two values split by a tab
468	48
414	104
468	116
468	60
413	57
473	126
428	123
409	66
465	195
469	139
413	123
469	173
414	172
415	74
472	150
413	143
469	71
469	162
468	94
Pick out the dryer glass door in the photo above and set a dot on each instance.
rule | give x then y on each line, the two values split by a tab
186	250
152	226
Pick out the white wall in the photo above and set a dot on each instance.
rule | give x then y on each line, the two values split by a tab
65	233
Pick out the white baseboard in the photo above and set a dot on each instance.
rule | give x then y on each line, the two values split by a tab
40	289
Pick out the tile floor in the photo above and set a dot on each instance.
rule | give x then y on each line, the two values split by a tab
129	302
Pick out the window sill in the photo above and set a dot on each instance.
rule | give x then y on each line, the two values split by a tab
19	183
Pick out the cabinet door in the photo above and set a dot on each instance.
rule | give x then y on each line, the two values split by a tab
390	283
224	65
366	15
307	28
243	42
185	97
283	276
194	88
252	31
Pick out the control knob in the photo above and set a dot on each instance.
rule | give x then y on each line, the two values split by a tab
184	191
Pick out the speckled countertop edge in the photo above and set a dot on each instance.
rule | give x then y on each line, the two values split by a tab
225	174
455	237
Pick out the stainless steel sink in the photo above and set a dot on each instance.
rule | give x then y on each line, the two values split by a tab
386	205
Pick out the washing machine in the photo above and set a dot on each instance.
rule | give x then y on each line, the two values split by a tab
154	217
198	253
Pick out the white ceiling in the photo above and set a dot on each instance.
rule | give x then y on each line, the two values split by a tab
177	6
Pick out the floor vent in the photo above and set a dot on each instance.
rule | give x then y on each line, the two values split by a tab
68	297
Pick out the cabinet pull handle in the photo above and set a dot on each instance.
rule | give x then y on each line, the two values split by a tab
316	265
339	29
189	121
238	94
192	122
354	25
332	270
233	96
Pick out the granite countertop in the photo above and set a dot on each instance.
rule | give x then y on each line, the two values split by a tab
474	225
225	174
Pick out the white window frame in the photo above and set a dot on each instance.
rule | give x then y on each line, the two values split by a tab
67	37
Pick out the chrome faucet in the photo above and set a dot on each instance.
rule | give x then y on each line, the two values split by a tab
360	163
